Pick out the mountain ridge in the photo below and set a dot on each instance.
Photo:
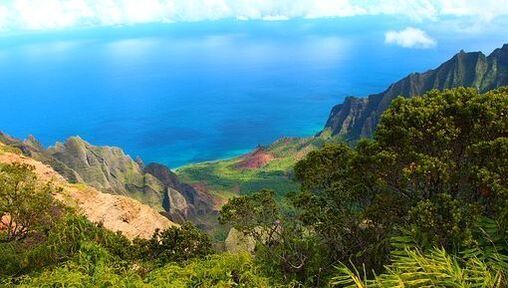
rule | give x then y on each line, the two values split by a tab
110	170
357	117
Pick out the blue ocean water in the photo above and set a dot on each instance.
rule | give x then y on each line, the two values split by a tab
189	92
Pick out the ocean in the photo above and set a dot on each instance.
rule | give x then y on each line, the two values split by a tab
181	93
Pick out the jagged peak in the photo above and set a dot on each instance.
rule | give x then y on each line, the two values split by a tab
32	141
140	162
77	139
463	54
500	52
71	141
445	75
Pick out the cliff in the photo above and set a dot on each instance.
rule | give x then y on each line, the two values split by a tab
110	170
115	212
181	200
358	117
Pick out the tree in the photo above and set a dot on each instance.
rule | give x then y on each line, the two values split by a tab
446	156
257	215
284	246
436	165
175	244
26	206
333	200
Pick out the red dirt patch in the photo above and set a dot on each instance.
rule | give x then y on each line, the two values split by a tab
255	160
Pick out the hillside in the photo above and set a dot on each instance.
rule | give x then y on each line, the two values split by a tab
111	171
115	212
358	117
264	167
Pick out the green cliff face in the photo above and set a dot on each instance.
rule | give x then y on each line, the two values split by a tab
108	169
358	117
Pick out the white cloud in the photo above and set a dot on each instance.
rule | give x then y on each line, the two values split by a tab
275	18
484	10
4	12
410	38
50	14
333	8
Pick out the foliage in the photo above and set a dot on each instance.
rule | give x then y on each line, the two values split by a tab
26	207
449	143
91	266
256	215
436	164
175	244
434	268
436	167
94	267
59	244
285	248
221	270
330	204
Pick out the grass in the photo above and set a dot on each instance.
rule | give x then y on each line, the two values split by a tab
224	179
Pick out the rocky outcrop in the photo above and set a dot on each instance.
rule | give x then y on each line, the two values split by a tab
237	242
358	117
180	200
110	170
115	212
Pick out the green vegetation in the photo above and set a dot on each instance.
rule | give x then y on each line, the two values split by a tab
434	268
94	267
422	204
44	244
430	184
225	179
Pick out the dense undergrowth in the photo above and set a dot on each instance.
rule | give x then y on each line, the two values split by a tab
422	204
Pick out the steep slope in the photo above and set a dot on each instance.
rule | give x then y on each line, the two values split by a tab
33	149
181	200
110	170
358	117
115	212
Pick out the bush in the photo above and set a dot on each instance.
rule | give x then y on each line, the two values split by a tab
222	270
175	244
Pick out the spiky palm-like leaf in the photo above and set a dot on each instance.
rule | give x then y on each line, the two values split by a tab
435	268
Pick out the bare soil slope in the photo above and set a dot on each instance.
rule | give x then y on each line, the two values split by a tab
115	212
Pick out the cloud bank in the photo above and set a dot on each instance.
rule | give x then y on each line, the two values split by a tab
57	14
410	38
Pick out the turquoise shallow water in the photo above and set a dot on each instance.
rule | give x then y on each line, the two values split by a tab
183	93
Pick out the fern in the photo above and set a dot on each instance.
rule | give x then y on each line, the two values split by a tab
492	246
435	268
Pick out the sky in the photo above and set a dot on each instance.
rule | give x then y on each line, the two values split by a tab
40	15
